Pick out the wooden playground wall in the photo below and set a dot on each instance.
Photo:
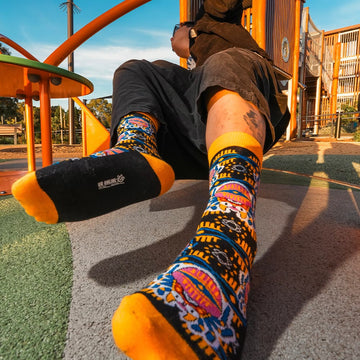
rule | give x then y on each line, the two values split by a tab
280	20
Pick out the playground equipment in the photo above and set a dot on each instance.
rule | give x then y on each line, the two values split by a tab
29	79
278	35
47	74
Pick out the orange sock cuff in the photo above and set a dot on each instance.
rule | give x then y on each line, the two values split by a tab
151	118
236	138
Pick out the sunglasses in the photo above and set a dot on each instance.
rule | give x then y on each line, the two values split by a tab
185	23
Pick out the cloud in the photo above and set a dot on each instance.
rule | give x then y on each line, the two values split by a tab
98	63
94	62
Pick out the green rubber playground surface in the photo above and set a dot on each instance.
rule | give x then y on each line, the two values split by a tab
35	285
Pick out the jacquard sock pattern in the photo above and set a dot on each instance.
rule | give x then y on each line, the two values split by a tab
203	295
80	189
136	131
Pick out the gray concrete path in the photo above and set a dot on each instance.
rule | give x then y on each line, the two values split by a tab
21	164
304	302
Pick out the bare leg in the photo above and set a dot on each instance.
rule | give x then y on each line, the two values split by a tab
228	112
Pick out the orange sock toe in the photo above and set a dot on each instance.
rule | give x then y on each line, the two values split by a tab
141	332
34	200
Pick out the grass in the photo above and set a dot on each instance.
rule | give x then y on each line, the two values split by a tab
35	285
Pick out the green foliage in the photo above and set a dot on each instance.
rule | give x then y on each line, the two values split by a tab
101	109
348	108
59	124
357	135
4	50
8	110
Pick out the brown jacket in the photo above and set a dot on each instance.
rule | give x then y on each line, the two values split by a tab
218	27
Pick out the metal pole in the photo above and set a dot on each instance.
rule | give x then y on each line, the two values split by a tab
61	126
338	126
70	27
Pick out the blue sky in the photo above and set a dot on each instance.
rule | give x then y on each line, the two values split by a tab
40	27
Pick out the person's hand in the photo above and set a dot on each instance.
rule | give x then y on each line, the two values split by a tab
180	42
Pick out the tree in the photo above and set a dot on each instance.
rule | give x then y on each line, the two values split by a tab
4	50
8	106
8	110
101	109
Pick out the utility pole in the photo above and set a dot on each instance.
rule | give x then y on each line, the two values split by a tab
69	5
70	30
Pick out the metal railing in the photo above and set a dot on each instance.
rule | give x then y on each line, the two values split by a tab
312	125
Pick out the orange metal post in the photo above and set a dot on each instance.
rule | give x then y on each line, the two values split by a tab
248	24
184	16
184	10
29	115
45	122
335	82
30	140
259	22
29	124
68	46
318	87
295	79
83	133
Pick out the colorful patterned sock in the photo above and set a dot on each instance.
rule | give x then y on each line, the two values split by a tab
83	188
197	309
136	131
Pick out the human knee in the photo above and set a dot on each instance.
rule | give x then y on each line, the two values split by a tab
133	65
222	63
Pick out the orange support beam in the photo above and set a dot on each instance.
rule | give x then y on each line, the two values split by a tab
259	22
30	139
29	123
184	10
17	47
184	16
335	82
45	122
295	79
29	115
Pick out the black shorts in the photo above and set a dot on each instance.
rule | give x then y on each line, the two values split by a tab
174	96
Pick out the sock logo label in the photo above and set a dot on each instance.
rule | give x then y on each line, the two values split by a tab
119	180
